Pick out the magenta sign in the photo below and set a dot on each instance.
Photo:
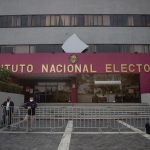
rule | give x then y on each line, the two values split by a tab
60	63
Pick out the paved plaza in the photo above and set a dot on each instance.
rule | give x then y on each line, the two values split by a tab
74	139
35	141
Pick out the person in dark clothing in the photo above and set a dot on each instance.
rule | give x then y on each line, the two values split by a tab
8	109
30	117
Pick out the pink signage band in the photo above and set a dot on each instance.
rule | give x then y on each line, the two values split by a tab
61	63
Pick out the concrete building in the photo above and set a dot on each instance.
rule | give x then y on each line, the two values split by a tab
117	33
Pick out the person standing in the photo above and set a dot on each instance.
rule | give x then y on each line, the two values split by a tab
30	117
8	109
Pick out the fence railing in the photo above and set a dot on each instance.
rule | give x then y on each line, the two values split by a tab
56	117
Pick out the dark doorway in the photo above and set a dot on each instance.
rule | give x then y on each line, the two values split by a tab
52	92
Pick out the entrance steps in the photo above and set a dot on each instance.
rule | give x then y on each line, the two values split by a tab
95	104
95	110
60	111
100	106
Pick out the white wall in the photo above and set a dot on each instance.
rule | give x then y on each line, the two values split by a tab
90	35
145	98
14	7
18	99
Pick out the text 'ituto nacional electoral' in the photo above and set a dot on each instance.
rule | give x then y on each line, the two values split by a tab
77	68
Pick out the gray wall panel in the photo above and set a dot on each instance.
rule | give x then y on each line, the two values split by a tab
102	35
14	7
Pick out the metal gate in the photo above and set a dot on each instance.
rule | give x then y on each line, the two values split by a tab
91	118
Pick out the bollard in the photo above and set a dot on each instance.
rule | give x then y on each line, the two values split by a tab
147	127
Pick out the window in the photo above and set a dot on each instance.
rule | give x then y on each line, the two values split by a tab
48	21
108	48
9	21
65	20
92	20
130	21
137	48
106	20
3	22
43	20
118	20
54	20
52	48
7	49
48	48
138	20
22	49
92	48
16	21
98	20
73	20
80	20
88	19
124	48
112	20
36	21
25	21
147	20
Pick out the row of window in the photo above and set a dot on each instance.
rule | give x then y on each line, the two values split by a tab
52	48
74	20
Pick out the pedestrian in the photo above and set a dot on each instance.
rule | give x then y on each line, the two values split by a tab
30	116
8	110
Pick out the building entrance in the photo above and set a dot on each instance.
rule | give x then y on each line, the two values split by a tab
109	88
52	92
86	88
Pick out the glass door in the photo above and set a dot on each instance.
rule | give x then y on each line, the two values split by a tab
52	92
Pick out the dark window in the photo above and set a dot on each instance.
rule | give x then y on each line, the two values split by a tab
36	21
80	20
122	20
124	48
43	20
9	21
107	48
118	20
51	48
4	21
1	21
48	48
25	21
137	20
113	20
7	49
147	20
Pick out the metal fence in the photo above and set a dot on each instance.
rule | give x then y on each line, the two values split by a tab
89	117
103	118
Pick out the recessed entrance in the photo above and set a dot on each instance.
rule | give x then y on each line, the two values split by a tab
109	88
52	92
85	88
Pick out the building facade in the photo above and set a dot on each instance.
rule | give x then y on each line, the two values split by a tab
114	68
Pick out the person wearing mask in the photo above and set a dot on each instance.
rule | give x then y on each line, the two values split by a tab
30	117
